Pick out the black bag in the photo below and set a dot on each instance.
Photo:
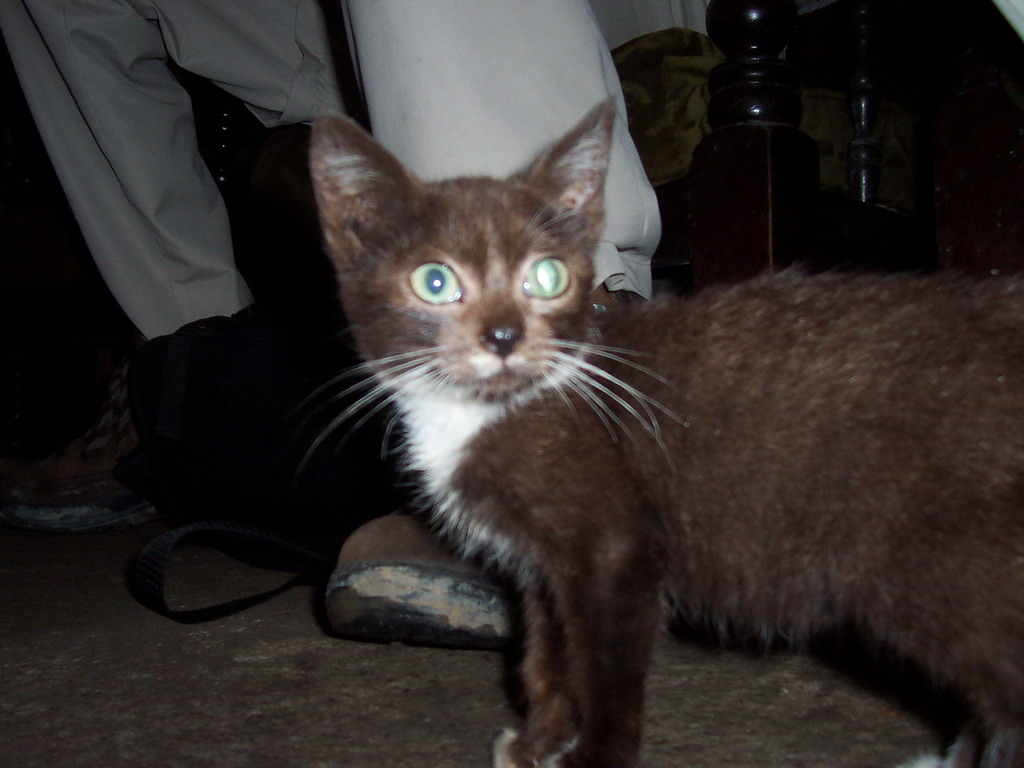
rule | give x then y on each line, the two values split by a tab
224	426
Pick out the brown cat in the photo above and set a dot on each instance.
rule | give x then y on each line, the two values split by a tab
794	453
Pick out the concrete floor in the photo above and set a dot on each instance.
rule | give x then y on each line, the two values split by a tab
90	678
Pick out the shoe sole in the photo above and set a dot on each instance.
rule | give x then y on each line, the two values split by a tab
77	518
418	604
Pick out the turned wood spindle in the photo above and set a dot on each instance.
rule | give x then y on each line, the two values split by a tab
754	178
864	160
754	85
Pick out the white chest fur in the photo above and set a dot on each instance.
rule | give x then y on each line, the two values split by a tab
438	431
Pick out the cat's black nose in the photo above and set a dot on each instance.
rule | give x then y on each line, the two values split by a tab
501	341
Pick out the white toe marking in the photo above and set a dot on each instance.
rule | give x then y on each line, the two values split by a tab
503	747
924	761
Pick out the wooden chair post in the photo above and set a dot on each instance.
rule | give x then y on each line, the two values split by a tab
865	153
754	178
979	173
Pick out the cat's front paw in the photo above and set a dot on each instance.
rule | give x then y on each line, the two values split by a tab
505	749
926	761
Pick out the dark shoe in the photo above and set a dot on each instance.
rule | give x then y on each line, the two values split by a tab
118	508
74	490
395	582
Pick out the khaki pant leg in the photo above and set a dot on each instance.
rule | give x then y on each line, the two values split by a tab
120	133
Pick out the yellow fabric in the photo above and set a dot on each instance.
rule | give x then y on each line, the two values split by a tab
664	79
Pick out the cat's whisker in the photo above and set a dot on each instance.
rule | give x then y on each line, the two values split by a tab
650	424
334	337
617	354
365	418
406	361
593	373
587	373
552	224
362	367
641	397
583	385
604	414
348	373
310	413
401	360
332	425
538	214
365	383
440	382
555	385
387	389
593	345
393	419
365	370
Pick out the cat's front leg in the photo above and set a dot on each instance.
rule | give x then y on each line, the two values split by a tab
550	711
610	641
607	606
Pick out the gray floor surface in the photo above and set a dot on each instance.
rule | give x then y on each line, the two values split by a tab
90	678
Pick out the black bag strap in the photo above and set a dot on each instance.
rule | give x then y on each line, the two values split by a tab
252	546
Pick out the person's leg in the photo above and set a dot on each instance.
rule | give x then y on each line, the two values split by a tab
457	87
119	130
1013	10
274	55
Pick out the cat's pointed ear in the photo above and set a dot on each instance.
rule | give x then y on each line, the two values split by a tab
361	189
571	173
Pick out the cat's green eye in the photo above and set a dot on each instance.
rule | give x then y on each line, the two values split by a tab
547	279
435	283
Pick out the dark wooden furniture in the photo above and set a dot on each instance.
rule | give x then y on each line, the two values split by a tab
754	202
754	176
979	172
